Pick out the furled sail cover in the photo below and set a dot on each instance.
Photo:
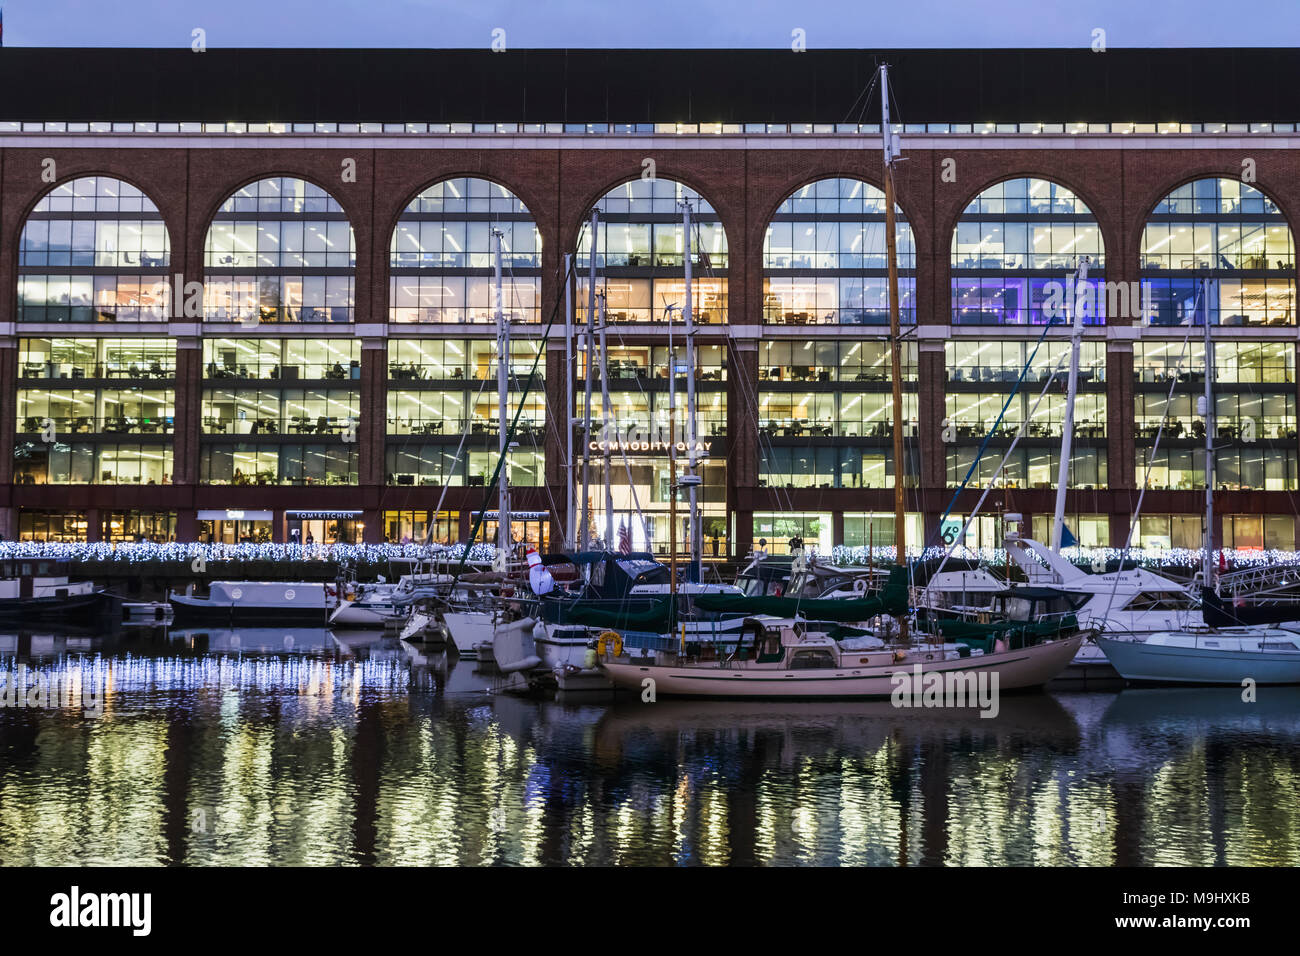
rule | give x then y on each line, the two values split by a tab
892	601
657	618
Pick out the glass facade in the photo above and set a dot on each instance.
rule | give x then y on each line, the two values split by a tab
825	258
832	361
441	527
100	406
63	526
280	411
640	255
1011	241
442	417
1229	234
982	398
1254	407
78	397
441	255
279	250
93	249
67	462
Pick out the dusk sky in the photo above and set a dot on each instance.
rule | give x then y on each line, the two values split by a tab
661	23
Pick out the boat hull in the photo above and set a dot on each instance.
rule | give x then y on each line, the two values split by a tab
1018	669
362	615
74	607
469	629
1168	664
206	613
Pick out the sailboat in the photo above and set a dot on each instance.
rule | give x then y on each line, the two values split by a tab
1264	655
1032	641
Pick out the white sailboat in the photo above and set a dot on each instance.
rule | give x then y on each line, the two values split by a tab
1201	655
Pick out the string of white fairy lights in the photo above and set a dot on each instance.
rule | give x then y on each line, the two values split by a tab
147	552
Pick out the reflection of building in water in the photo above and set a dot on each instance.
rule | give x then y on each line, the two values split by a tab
315	759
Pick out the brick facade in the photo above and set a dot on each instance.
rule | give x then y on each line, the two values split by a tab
559	182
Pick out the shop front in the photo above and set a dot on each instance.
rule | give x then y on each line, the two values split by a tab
235	526
526	528
324	527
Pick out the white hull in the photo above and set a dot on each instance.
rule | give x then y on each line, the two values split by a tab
469	629
1028	667
564	647
1189	661
363	614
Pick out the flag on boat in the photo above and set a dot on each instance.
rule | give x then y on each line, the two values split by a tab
624	537
1067	539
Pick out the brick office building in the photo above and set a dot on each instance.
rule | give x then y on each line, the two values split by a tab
334	375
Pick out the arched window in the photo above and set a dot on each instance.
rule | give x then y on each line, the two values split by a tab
94	249
279	250
640	254
441	255
1231	234
1014	239
824	258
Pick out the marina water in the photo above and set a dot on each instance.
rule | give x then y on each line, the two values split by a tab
265	748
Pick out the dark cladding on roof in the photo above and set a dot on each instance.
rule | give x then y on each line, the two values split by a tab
646	86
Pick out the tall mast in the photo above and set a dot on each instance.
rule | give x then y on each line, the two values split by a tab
693	480
672	458
570	516
589	349
503	381
606	417
1072	283
891	151
1207	570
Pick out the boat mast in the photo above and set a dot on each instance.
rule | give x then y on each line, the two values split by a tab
588	348
891	151
606	417
569	525
1207	571
692	479
503	381
1072	283
672	457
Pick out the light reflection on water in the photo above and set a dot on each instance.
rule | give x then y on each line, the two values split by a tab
228	748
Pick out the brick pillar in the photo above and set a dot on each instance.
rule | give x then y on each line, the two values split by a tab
931	410
1118	529
373	532
189	404
1121	447
742	437
94	525
559	410
8	424
373	424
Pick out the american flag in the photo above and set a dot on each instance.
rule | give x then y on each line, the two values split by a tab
624	538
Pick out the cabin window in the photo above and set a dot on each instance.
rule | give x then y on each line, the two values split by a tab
807	659
1160	601
1277	646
